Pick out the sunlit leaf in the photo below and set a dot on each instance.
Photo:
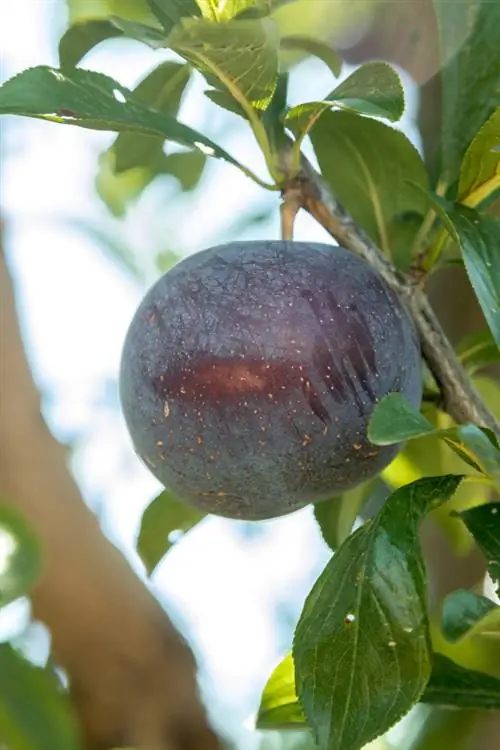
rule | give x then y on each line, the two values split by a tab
163	521
480	170
279	707
368	165
20	556
362	646
34	713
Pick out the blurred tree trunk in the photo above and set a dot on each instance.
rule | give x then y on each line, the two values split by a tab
132	678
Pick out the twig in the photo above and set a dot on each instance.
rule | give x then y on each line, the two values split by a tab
460	398
291	205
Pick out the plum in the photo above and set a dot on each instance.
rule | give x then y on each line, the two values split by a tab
250	371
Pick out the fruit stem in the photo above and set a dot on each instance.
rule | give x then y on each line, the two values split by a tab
289	209
460	399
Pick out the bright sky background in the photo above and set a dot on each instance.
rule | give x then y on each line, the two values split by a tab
76	305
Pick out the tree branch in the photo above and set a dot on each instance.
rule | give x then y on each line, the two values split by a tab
460	399
132	677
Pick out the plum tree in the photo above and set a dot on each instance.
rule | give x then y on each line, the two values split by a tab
250	371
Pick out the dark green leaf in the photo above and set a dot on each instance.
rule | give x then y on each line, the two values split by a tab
226	101
480	171
368	164
362	646
164	516
477	440
470	39
20	556
82	37
241	53
34	714
395	420
483	522
479	240
91	100
279	707
323	51
153	37
170	12
462	611
161	90
373	89
337	516
478	350
455	686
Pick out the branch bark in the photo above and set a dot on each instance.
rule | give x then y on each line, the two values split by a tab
460	399
132	677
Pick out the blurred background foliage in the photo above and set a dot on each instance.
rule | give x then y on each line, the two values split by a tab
91	220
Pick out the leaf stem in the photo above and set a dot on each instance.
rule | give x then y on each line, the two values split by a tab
460	398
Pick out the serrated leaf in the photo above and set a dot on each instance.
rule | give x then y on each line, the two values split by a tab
314	47
478	350
245	53
34	713
362	647
373	89
469	34
92	100
337	516
453	685
161	90
483	522
479	240
279	707
163	516
82	37
368	165
395	420
480	170
20	556
462	611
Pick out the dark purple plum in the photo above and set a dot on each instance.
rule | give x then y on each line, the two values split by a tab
250	371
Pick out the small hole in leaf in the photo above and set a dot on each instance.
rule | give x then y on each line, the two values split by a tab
119	96
175	536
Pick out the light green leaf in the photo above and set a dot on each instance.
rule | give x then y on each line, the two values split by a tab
483	522
91	100
479	240
162	520
480	170
452	685
314	47
153	37
362	647
368	165
84	36
463	612
243	53
373	89
279	707
395	420
170	12
469	34
20	556
34	713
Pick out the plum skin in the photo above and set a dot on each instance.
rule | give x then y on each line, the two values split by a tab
250	371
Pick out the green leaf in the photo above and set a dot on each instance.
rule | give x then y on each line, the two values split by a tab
161	90
478	350
480	171
373	89
483	522
153	37
362	646
224	100
470	39
368	165
170	12
337	516
186	166
452	685
462	611
164	516
243	53
34	713
279	707
91	100
318	49
395	420
479	240
82	37
20	556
